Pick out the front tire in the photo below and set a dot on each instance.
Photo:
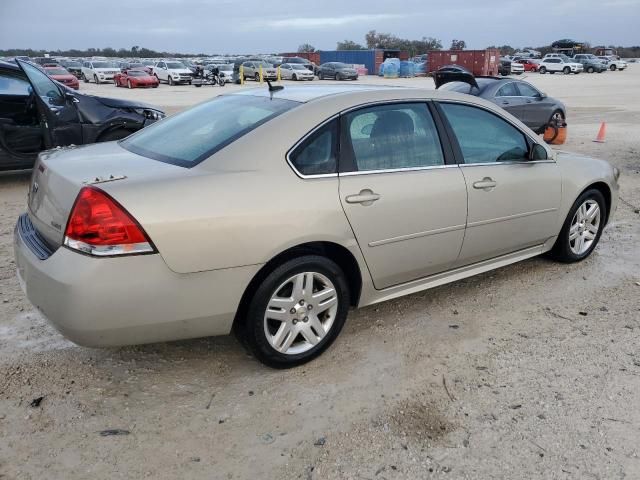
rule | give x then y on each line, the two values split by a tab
542	70
296	312
170	81
84	78
590	70
566	70
582	228
129	84
613	68
294	77
95	79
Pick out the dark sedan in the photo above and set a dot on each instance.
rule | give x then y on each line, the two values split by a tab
38	113
521	99
337	71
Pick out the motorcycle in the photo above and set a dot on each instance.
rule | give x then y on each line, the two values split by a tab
208	77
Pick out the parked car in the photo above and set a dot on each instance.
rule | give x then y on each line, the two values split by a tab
529	65
337	71
521	99
299	61
99	71
172	72
559	64
226	72
38	113
251	69
136	79
60	74
280	262
295	71
509	67
590	63
74	67
614	63
124	66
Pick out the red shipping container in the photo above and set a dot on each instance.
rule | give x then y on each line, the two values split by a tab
478	62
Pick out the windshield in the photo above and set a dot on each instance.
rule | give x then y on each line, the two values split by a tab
175	65
72	64
104	65
56	71
136	73
265	64
192	136
136	65
340	65
299	67
225	67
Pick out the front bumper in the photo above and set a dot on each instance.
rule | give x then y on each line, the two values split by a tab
128	300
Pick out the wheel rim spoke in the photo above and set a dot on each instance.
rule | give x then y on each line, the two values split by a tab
297	318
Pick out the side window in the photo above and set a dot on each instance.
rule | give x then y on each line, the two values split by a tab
317	154
390	137
527	90
46	88
508	90
483	136
10	84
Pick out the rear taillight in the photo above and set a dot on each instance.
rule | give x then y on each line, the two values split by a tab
98	225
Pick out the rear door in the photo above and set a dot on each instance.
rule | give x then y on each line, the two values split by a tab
56	107
513	201
508	97
404	199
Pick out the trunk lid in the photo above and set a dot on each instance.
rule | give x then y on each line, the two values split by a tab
59	174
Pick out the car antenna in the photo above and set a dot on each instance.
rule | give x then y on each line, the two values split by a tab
274	88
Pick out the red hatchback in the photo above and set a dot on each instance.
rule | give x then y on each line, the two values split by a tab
135	79
62	75
529	65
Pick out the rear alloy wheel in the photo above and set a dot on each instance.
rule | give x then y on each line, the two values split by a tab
542	70
582	228
566	70
296	312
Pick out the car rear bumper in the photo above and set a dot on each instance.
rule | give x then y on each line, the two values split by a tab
127	300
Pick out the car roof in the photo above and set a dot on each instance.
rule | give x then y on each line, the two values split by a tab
353	93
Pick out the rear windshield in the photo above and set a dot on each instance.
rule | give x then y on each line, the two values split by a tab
192	136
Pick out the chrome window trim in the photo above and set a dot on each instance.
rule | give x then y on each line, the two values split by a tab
396	170
510	162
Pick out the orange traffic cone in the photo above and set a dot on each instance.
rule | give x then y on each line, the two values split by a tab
601	133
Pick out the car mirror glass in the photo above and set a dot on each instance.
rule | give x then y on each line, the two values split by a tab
538	152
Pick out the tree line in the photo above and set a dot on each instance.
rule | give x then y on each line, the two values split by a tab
135	52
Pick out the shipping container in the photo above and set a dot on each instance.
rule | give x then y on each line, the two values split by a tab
371	59
313	57
478	62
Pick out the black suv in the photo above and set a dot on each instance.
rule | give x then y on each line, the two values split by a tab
38	113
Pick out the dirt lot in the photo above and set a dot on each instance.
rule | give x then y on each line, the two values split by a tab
531	371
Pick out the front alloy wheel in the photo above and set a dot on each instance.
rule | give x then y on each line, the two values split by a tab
296	312
582	228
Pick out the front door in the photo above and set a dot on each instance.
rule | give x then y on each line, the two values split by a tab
537	107
406	205
56	107
513	201
508	97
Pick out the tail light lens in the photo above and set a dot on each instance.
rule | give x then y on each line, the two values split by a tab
100	226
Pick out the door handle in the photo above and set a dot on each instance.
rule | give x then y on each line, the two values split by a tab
486	184
366	197
505	103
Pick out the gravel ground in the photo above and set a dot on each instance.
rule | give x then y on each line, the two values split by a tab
530	371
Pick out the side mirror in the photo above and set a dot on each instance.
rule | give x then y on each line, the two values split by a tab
538	152
542	96
71	97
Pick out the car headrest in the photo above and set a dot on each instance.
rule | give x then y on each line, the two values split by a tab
392	123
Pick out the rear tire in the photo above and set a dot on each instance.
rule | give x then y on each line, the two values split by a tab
570	250
258	331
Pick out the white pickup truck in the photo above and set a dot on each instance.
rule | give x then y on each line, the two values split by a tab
172	72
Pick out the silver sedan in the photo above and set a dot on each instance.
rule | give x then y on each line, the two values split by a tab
271	213
295	71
